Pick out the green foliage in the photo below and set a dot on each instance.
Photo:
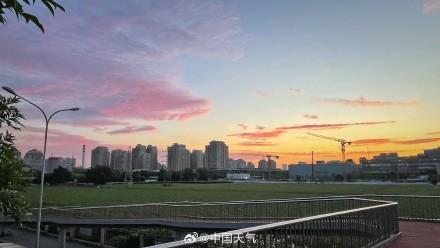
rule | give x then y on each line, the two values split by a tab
202	174
162	177
16	6
59	175
188	175
12	180
99	175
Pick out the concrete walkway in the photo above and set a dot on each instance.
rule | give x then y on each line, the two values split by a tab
26	239
418	234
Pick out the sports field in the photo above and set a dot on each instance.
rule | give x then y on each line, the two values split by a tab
145	193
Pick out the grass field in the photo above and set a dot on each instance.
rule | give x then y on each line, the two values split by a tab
146	193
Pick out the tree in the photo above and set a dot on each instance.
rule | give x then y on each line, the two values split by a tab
13	174
175	176
99	175
16	6
188	175
162	177
202	174
59	175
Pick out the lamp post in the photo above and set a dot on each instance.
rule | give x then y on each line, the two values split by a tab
11	91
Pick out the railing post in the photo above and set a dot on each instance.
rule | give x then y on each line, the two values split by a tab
102	237
62	236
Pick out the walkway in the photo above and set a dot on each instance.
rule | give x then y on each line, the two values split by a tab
418	234
26	239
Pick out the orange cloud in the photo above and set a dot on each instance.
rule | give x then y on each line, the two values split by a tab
363	102
433	133
256	143
259	134
333	125
416	141
262	135
311	116
399	142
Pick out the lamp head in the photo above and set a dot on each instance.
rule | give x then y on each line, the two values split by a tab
9	90
74	109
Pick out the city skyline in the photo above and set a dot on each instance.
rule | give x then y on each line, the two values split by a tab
258	78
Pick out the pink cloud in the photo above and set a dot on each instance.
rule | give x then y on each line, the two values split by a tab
133	129
115	61
311	116
363	102
92	122
153	101
431	6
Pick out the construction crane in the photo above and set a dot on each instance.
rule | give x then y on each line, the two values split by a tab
269	159
343	142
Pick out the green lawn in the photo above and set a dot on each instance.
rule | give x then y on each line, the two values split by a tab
144	193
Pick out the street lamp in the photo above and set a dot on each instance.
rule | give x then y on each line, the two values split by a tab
11	91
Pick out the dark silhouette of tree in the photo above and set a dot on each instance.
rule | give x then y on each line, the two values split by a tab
175	176
162	177
188	175
99	175
12	172
60	175
202	174
16	6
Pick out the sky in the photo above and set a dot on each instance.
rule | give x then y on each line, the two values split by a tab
258	75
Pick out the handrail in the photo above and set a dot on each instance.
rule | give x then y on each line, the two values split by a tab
272	226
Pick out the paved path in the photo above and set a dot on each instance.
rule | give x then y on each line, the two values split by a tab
418	234
26	239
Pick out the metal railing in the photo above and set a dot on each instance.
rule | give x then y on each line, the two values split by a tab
361	227
413	207
226	212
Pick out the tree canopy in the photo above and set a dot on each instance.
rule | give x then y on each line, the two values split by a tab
17	7
13	174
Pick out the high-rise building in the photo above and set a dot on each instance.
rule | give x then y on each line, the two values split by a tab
216	155
55	162
33	159
119	160
272	165
262	165
250	166
178	157
100	156
236	164
197	159
154	162
140	158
